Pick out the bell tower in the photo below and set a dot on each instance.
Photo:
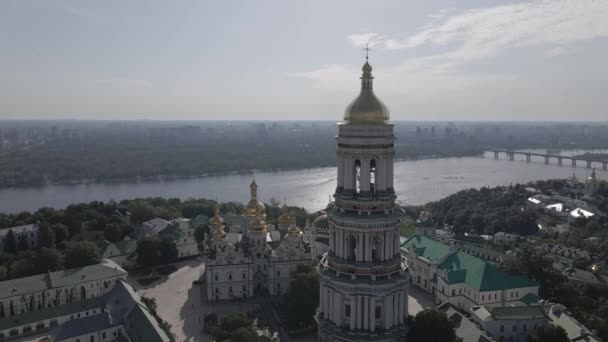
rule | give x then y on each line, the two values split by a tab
363	281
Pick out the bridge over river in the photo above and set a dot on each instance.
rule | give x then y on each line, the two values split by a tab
548	157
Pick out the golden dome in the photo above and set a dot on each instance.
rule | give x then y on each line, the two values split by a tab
366	109
293	229
254	207
219	233
216	220
258	224
284	218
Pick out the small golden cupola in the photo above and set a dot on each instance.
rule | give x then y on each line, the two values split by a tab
366	109
254	207
216	224
258	224
293	229
284	219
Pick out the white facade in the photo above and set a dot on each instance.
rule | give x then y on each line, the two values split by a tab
37	292
363	280
26	235
249	266
186	244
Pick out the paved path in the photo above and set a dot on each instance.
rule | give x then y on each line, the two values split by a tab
419	300
180	303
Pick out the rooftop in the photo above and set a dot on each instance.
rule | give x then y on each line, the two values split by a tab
479	274
49	280
464	328
19	229
426	247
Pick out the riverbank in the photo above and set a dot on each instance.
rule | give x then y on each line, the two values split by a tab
416	182
165	178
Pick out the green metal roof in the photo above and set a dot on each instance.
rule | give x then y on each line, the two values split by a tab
480	275
530	299
426	247
124	245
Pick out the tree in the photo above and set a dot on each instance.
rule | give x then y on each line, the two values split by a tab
548	333
168	249
22	265
3	273
199	233
237	327
148	251
46	236
540	269
10	245
113	232
48	260
302	297
80	254
62	234
430	325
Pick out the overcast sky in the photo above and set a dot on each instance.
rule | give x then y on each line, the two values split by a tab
299	60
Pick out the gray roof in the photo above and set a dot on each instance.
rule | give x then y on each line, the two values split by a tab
558	315
19	229
33	317
464	328
82	326
41	282
121	306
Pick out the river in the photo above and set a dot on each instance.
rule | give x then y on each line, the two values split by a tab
416	182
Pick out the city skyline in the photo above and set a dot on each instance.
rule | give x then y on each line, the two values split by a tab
482	60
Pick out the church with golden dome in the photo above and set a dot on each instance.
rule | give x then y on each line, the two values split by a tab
255	257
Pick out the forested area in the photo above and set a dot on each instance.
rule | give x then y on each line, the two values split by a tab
58	227
486	211
588	303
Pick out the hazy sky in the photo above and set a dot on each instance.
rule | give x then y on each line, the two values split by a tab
433	60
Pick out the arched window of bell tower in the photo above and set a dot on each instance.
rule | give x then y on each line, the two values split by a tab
377	248
372	175
357	175
352	246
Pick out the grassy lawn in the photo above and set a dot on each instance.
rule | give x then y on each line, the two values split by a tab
408	229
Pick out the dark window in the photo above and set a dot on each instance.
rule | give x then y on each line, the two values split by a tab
347	310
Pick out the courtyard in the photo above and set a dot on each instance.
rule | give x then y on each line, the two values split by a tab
180	302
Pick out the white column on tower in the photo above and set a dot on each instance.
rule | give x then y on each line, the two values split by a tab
401	307
340	170
340	309
360	248
372	313
365	174
395	308
322	300
359	307
353	312
386	244
390	172
367	246
365	312
381	173
389	310
385	310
